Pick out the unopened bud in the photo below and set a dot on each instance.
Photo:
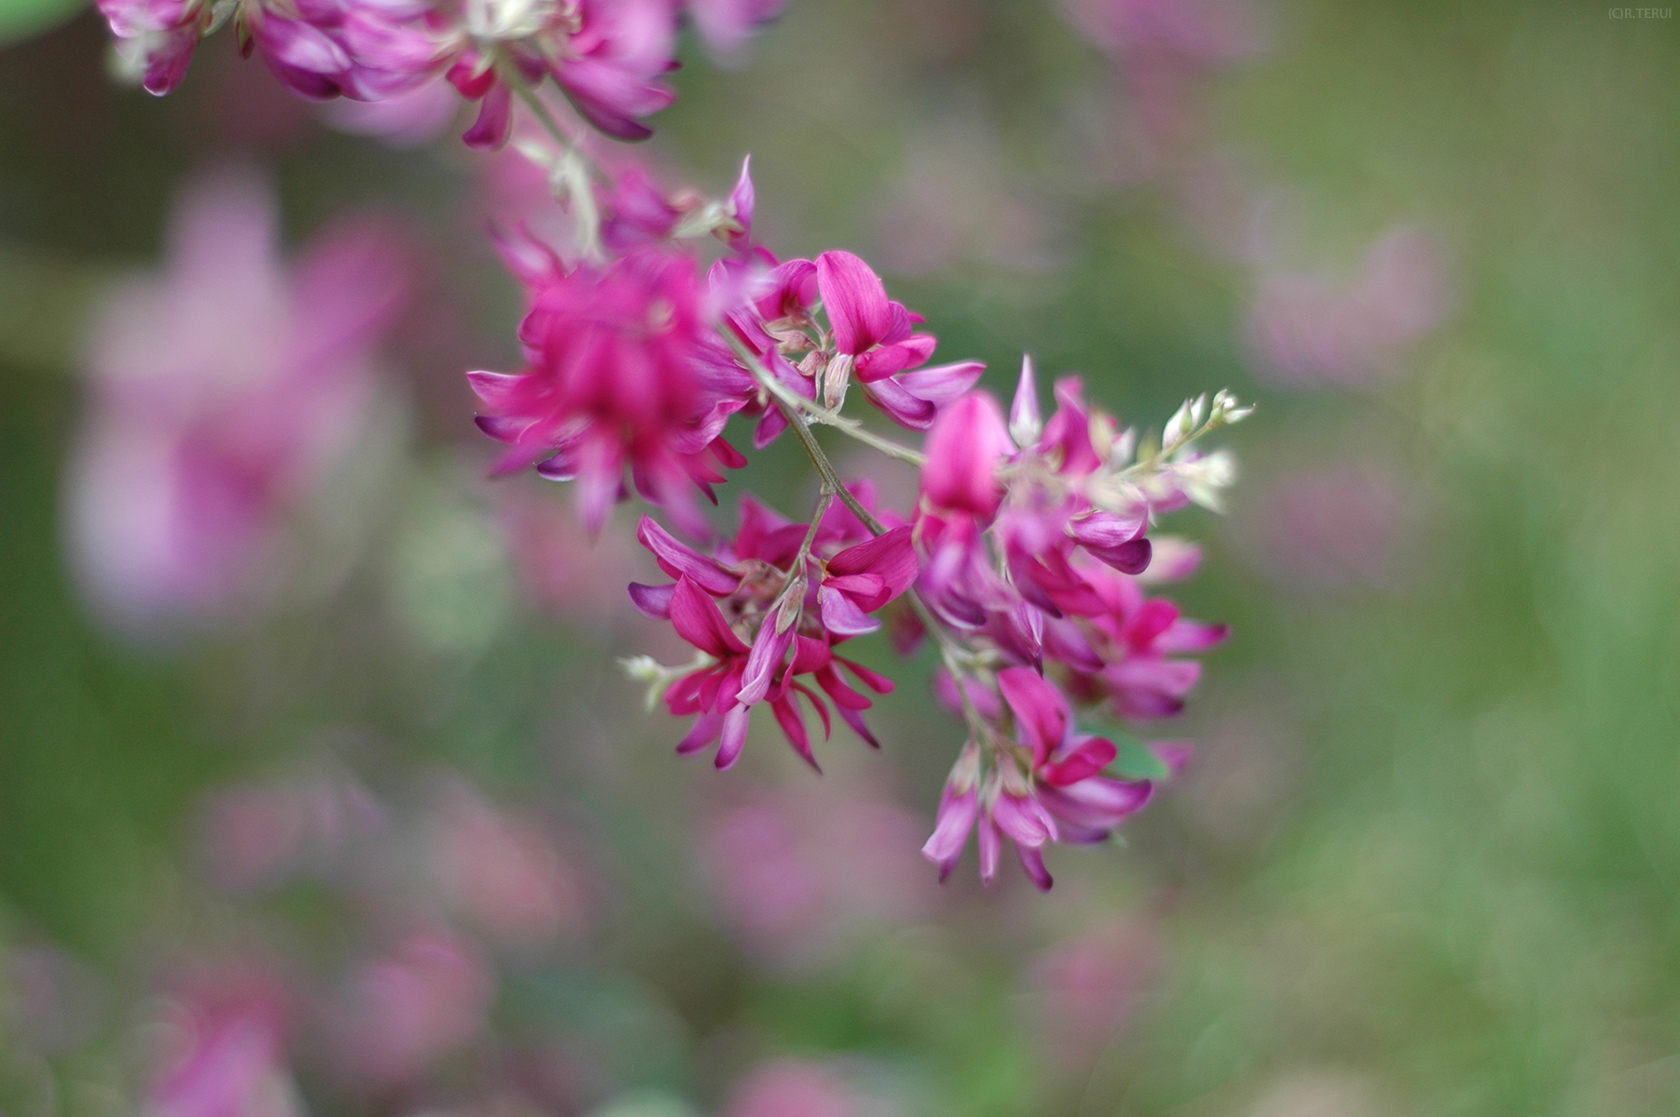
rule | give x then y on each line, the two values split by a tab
1179	426
793	602
837	377
965	773
1026	423
1125	445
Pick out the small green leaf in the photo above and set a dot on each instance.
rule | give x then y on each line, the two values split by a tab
20	19
1137	761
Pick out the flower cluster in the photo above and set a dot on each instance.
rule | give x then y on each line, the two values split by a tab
1023	558
609	57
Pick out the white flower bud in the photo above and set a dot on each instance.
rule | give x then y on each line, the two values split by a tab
1026	423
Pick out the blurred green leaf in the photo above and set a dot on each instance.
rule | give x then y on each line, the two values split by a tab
1137	761
20	19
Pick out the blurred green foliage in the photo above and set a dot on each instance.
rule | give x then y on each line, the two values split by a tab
1453	888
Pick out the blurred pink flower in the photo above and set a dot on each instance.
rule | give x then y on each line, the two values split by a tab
1164	50
505	873
255	834
726	26
791	1088
562	570
1344	525
430	995
955	201
1306	329
1084	990
219	392
221	1053
410	119
800	874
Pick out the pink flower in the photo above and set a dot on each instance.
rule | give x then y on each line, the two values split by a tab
219	394
1164	49
1057	793
781	609
873	336
507	874
625	371
792	1089
156	38
256	835
223	1054
428	996
802	873
963	453
727	25
1126	653
614	61
1306	329
1086	988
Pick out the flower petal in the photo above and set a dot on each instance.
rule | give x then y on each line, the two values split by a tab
856	301
1041	713
698	620
682	561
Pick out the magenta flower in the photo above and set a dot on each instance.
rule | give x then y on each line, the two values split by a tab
873	337
612	64
625	371
1129	652
220	392
800	614
431	994
964	450
156	38
1054	791
726	26
223	1046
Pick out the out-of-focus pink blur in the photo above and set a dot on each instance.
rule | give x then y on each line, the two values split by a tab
1308	328
792	1088
219	391
1084	990
429	995
802	871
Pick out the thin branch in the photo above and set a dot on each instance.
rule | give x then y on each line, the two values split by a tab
845	424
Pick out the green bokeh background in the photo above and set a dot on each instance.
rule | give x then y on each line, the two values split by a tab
1459	892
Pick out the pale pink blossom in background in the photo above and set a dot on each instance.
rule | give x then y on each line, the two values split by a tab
429	995
800	874
219	1052
505	873
1347	525
410	119
1306	329
1234	211
219	392
953	203
561	569
1163	52
1083	991
1248	772
726	26
792	1088
254	835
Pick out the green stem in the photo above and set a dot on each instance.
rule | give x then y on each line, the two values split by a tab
846	425
573	168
